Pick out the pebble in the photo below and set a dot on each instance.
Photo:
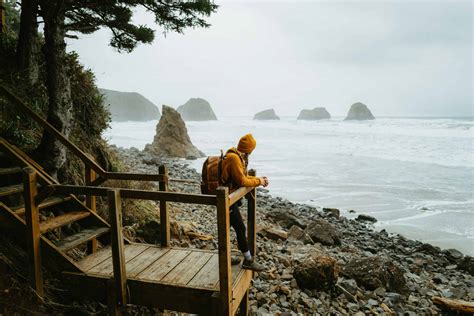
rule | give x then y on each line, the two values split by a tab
428	270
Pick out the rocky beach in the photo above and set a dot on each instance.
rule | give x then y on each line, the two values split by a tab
317	261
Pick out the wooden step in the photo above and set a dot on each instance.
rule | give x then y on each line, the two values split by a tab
12	189
9	170
52	201
62	220
80	238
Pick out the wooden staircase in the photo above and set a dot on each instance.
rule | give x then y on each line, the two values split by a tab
64	222
56	227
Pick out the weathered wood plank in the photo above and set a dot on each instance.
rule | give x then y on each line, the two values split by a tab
51	201
54	259
9	170
144	260
90	177
187	269
208	276
49	128
11	189
164	214
33	234
62	220
236	271
91	203
252	217
135	176
240	287
163	265
223	231
170	296
238	194
95	259
20	158
106	267
138	194
80	238
118	256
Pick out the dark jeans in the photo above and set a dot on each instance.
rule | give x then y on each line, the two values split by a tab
237	223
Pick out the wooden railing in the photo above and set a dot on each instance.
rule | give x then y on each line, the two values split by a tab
96	175
222	200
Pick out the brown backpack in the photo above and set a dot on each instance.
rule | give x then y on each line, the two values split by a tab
211	174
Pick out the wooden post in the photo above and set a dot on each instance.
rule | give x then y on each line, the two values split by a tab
223	230
164	214
33	235
118	258
251	217
91	203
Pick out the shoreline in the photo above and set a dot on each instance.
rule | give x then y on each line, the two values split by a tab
425	270
439	238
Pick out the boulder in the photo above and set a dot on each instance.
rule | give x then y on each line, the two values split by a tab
273	233
467	264
359	111
332	212
297	234
319	271
314	114
285	218
375	272
129	106
366	218
452	254
323	232
197	109
171	138
266	115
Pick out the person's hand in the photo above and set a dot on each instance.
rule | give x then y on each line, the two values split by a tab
264	182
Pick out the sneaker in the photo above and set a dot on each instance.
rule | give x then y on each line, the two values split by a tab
235	260
252	265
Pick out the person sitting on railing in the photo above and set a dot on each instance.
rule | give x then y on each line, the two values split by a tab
234	175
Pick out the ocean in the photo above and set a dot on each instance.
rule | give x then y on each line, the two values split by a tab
415	175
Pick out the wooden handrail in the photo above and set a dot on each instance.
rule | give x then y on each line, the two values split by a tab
51	129
238	194
136	194
89	162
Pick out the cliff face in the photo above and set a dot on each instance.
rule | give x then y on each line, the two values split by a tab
360	112
171	138
314	114
197	109
266	115
130	106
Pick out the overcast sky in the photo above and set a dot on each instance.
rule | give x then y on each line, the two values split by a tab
400	58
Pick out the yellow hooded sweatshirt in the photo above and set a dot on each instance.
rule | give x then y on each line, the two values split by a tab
234	171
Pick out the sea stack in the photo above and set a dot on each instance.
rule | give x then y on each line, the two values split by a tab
360	112
314	114
171	138
266	115
197	109
129	106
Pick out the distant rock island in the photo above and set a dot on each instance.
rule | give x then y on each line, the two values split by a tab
129	106
171	138
314	114
197	109
359	111
266	115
